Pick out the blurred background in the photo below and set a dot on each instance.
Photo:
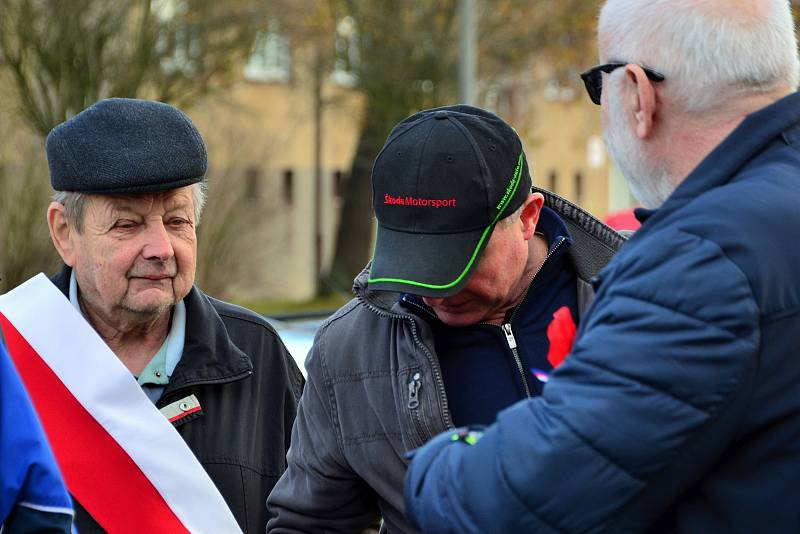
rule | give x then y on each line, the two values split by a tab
294	99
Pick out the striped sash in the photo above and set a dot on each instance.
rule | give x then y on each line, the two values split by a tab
120	457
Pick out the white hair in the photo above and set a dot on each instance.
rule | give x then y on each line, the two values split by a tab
199	191
648	179
709	51
74	204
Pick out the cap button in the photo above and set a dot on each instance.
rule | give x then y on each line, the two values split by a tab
440	115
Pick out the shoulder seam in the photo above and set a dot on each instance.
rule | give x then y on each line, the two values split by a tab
341	312
727	258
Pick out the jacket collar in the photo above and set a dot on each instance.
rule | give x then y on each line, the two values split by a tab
209	355
747	140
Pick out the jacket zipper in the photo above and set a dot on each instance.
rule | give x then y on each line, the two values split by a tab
423	309
512	344
416	381
528	288
506	328
422	429
413	388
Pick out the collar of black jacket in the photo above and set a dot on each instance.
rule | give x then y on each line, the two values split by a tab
212	356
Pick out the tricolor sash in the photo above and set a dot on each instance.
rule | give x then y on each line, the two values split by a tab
120	457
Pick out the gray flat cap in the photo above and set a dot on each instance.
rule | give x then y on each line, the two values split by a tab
122	146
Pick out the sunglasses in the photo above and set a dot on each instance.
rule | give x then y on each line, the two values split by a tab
593	78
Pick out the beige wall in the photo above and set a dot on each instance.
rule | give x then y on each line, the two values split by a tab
564	142
267	130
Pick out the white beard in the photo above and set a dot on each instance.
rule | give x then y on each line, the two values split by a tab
649	183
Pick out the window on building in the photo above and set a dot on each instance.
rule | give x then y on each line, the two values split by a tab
552	181
166	10
579	188
491	97
348	55
561	85
181	52
337	183
252	183
288	186
271	58
554	91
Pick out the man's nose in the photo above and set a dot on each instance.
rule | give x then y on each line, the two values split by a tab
158	244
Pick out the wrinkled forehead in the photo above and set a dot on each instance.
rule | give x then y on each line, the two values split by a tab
145	203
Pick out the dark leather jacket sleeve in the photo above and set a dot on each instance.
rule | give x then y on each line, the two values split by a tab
319	492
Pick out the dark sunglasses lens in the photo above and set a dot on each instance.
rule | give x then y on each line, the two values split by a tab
587	84
594	86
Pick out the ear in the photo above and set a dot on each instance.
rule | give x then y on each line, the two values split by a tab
640	96
529	217
61	232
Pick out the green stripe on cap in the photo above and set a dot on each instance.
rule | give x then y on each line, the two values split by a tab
511	190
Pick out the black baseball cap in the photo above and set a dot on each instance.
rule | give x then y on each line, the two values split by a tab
442	181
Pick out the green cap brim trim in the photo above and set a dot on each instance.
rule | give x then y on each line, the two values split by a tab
510	192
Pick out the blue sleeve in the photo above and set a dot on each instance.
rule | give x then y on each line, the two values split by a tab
651	394
33	497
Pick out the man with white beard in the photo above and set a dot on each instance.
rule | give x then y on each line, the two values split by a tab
678	409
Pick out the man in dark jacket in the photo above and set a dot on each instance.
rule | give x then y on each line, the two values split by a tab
678	409
128	178
451	321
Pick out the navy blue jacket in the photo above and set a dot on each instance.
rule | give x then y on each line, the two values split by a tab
679	407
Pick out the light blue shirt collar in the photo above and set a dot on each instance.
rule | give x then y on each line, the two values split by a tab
173	345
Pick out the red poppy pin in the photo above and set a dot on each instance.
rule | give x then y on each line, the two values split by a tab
561	333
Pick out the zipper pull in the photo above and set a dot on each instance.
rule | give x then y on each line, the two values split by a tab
596	280
512	343
413	388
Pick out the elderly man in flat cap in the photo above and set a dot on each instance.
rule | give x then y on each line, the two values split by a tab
129	180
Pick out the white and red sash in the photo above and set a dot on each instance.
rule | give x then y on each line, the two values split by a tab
121	458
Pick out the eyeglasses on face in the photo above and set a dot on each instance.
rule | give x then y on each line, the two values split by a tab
593	78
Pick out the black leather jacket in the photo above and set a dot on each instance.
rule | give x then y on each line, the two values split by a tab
248	386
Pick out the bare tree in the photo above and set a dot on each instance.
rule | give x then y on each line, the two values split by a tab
25	247
64	55
406	63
